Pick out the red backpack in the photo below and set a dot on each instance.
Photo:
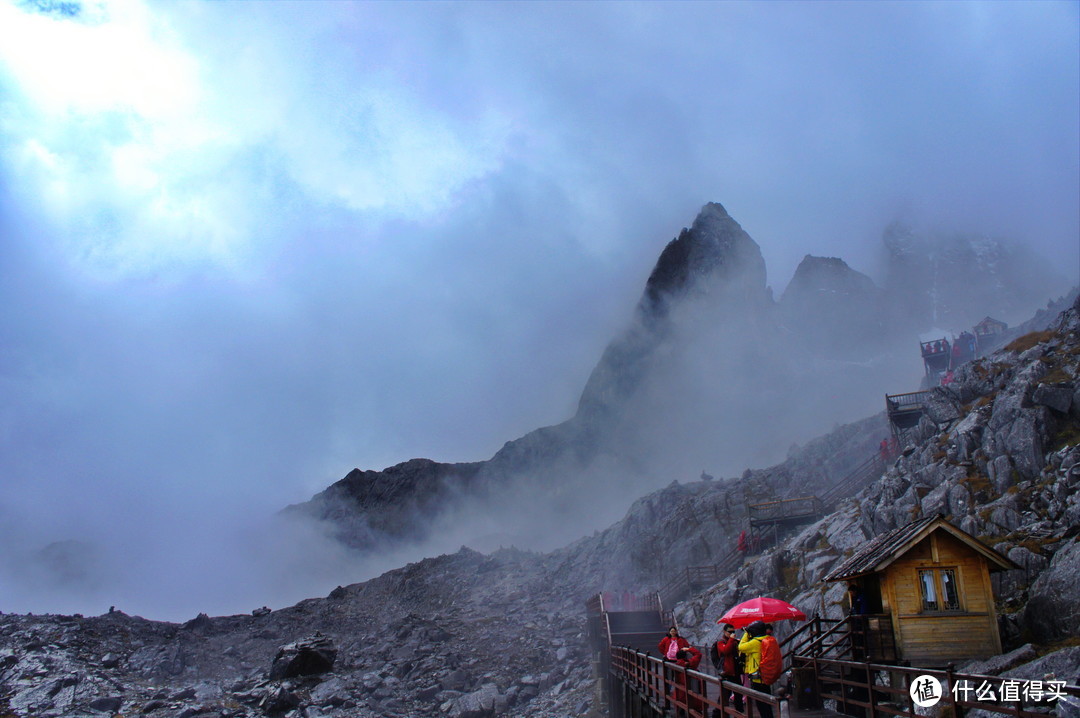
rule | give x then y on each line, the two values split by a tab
772	661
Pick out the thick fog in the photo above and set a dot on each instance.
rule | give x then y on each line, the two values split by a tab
247	247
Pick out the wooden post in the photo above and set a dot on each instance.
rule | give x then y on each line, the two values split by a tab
950	677
870	691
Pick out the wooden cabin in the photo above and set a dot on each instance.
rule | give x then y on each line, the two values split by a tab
932	581
989	327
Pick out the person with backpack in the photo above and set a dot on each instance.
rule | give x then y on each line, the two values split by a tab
764	662
728	661
772	658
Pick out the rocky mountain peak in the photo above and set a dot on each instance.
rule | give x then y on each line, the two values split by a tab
827	274
832	308
706	356
716	248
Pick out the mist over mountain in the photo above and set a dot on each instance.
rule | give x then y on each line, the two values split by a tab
711	374
826	287
953	280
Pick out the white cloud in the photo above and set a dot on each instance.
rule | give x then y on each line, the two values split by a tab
149	155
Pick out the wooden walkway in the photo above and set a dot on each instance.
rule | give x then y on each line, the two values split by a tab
643	686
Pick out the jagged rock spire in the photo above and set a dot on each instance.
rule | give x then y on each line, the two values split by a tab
714	256
714	248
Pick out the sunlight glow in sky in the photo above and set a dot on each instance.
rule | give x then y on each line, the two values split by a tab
116	116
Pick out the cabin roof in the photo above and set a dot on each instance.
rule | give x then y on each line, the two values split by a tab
877	554
988	320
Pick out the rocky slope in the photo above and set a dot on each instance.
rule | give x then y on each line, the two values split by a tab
462	635
459	635
999	455
472	636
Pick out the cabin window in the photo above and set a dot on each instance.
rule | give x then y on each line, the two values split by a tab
938	589
929	591
950	598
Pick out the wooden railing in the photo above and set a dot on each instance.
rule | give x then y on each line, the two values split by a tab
667	688
935	346
784	509
905	411
881	690
909	400
605	601
871	689
856	479
688	579
866	637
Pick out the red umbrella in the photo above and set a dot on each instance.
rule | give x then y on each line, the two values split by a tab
761	609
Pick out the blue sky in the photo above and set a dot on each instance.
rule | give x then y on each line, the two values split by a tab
248	246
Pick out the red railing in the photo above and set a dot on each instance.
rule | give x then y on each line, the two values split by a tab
881	690
668	687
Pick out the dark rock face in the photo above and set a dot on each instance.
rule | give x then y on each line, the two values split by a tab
308	657
1053	611
715	258
370	509
715	253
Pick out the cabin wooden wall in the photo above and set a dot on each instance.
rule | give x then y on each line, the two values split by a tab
938	638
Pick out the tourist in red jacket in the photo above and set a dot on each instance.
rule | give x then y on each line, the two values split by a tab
728	648
671	643
688	658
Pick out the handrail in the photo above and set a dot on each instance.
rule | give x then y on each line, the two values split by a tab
817	643
814	623
687	577
784	508
934	347
911	398
960	691
859	475
668	686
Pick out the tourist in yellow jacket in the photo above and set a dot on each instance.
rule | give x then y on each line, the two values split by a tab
750	646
